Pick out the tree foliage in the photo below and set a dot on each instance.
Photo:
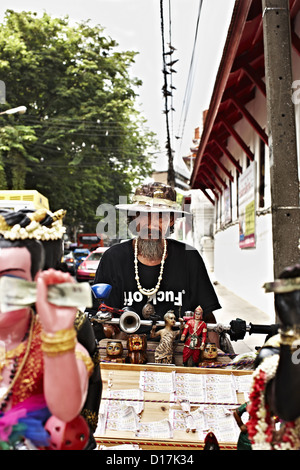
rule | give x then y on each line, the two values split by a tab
81	142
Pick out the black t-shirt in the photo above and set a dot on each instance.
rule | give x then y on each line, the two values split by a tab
185	282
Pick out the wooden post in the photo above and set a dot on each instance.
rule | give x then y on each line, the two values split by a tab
282	134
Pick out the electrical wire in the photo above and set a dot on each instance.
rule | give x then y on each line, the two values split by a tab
80	127
171	174
171	75
190	80
169	109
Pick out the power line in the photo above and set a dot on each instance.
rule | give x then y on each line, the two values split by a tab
167	93
79	124
190	80
171	75
80	127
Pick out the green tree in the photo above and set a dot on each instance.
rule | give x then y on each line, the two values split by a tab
82	142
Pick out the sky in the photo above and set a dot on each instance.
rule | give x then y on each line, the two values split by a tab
136	25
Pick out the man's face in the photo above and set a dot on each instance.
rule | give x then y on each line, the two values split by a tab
151	229
153	226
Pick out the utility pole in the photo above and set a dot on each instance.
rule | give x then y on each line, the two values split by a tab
282	134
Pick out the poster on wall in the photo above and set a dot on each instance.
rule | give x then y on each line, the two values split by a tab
247	207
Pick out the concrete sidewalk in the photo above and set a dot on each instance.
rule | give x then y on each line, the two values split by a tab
235	307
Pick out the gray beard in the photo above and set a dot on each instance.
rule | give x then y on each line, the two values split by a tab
150	249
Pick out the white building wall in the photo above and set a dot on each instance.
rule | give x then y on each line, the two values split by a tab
244	271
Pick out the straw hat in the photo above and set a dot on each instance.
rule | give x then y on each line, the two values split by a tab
153	197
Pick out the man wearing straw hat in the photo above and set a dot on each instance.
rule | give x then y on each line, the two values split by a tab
152	272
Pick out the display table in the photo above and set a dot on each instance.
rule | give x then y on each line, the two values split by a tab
151	346
155	395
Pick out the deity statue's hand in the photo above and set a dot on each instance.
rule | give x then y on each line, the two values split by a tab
53	317
288	308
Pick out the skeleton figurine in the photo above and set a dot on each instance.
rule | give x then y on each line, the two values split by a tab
165	350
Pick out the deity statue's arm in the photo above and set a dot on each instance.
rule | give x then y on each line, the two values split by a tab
283	390
204	333
185	331
154	333
66	362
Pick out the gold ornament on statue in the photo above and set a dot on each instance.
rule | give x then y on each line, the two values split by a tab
39	225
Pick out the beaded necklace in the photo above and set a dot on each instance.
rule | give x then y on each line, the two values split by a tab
142	290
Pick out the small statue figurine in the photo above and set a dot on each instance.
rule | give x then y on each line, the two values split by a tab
114	351
164	351
209	354
137	349
195	342
111	331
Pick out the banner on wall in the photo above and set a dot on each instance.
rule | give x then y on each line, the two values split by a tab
247	207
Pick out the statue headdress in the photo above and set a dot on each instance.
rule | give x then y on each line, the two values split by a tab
40	225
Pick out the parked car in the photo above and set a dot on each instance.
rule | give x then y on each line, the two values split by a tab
87	269
80	254
68	262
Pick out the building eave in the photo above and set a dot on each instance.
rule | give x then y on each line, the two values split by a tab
240	74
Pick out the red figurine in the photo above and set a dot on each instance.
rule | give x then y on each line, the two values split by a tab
195	342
